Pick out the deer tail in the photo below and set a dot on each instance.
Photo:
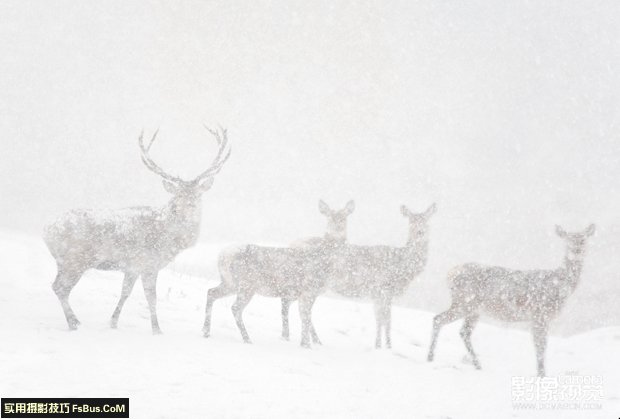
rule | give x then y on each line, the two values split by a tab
453	276
224	264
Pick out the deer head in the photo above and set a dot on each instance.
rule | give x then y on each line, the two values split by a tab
185	203
575	242
336	220
418	222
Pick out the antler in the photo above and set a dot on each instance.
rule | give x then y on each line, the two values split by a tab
150	164
218	161
214	168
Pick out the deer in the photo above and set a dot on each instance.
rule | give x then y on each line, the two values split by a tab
382	273
336	230
138	241
534	296
289	273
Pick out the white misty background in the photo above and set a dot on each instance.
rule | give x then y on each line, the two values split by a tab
504	113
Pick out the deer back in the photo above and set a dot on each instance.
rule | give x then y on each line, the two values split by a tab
277	271
508	294
111	239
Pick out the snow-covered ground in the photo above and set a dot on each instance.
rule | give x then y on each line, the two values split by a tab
180	374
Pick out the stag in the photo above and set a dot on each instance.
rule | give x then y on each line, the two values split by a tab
534	296
382	272
336	230
138	241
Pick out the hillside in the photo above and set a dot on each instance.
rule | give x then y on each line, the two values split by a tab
182	374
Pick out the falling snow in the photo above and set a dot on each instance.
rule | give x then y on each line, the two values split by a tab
408	209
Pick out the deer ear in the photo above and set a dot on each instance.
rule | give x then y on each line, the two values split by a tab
590	230
170	187
350	207
560	231
324	208
430	210
405	211
206	185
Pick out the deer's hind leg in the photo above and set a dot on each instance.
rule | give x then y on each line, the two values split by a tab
453	313
468	326
62	286
243	298
314	335
128	283
213	295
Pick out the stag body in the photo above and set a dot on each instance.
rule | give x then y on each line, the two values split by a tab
138	241
336	230
383	272
535	296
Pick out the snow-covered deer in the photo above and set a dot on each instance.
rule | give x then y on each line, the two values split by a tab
291	273
383	272
336	230
535	296
137	241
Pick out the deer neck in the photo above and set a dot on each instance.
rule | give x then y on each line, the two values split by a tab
331	237
330	242
572	268
417	242
182	222
417	248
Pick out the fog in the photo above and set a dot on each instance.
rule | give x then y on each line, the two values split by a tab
504	114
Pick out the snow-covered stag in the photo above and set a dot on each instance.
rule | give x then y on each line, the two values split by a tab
534	296
137	241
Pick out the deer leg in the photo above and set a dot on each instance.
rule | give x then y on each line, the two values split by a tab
212	295
241	302
468	326
439	321
539	332
149	282
313	334
305	313
379	322
387	316
286	305
128	283
62	286
383	308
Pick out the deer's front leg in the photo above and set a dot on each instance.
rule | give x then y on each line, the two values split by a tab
128	283
539	332
381	309
305	313
286	305
149	282
379	323
388	324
